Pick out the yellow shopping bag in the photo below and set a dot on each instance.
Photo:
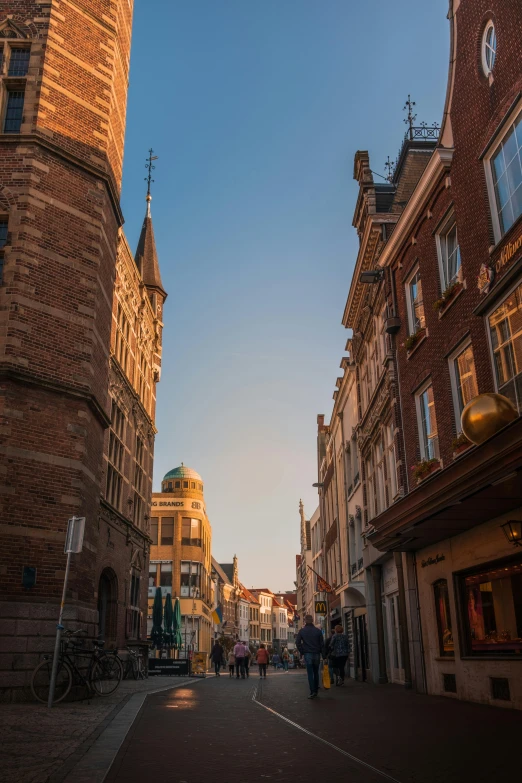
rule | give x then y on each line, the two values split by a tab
326	676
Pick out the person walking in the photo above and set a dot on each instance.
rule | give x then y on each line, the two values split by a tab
231	663
286	658
262	659
248	658
239	652
216	656
329	656
309	642
340	649
276	660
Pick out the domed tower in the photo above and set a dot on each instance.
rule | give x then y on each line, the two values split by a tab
180	555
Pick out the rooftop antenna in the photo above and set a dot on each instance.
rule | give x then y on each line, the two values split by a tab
148	178
410	119
389	166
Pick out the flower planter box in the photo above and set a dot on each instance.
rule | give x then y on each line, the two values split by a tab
461	449
432	468
445	303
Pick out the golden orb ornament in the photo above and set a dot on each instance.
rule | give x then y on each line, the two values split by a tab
485	415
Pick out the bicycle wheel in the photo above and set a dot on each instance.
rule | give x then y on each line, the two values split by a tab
106	674
41	681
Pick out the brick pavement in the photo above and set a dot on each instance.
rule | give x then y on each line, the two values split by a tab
216	729
40	745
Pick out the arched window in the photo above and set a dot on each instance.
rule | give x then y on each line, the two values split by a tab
489	48
442	611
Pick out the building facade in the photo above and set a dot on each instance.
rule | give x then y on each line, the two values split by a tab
229	591
264	596
65	268
180	556
461	238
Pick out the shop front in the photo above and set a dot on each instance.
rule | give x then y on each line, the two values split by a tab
459	526
390	608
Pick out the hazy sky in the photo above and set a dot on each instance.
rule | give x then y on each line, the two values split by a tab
256	109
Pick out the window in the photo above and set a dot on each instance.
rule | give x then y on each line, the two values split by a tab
139	481
463	379
116	456
428	437
177	484
19	61
167	531
505	325
190	578
14	111
154	530
370	487
122	338
193	485
489	48
153	571
415	304
141	379
449	253
391	463
166	575
442	612
506	173
492	608
134	614
190	531
185	485
379	476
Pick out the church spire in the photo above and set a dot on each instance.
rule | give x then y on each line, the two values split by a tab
146	256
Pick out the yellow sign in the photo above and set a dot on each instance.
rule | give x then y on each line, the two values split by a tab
199	663
320	607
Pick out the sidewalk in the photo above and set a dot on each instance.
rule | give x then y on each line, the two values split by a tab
42	746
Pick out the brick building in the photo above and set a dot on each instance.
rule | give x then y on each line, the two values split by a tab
454	262
80	332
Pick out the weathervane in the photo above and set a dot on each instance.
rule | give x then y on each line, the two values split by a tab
148	179
410	119
389	166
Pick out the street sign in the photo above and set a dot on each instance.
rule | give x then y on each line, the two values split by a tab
320	607
74	537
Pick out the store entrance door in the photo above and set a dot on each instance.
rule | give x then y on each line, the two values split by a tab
395	656
362	645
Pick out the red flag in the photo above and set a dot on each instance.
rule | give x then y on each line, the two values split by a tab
322	584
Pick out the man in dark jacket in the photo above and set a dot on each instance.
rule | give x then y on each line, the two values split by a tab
216	656
310	644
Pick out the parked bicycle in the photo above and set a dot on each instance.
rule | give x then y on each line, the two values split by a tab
134	665
101	673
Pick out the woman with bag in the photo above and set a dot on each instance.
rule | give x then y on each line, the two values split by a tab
339	650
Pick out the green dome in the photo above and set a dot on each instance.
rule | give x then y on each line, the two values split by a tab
182	473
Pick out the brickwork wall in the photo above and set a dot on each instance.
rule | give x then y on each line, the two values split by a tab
65	256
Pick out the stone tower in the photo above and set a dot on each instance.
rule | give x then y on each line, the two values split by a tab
66	270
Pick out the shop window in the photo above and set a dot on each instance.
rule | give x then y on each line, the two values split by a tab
154	530
492	608
166	575
167	531
444	626
505	326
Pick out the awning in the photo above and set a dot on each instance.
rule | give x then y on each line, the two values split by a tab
485	482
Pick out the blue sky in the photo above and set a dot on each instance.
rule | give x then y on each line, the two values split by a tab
256	110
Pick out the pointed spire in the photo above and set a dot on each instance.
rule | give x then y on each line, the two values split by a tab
146	256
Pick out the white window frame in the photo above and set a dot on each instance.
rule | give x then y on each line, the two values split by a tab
483	47
452	358
488	331
423	446
488	168
409	308
440	238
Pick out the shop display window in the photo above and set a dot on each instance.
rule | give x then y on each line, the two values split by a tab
492	606
444	627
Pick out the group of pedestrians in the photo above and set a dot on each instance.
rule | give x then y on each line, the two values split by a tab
335	651
240	659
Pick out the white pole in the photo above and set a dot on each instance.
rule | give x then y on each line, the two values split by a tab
59	629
